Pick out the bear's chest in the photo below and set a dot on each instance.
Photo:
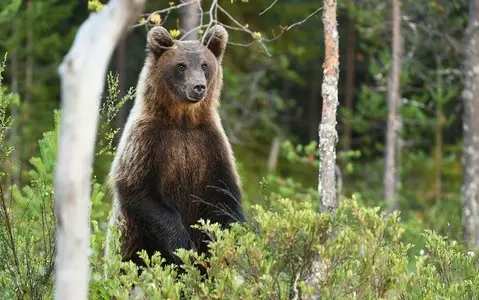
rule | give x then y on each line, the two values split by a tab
185	161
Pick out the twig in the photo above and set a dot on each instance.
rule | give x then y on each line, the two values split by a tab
165	10
304	20
269	7
211	17
192	30
455	44
245	29
201	11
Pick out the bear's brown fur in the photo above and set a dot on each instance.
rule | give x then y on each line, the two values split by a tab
174	163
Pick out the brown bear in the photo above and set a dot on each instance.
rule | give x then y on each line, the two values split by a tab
174	164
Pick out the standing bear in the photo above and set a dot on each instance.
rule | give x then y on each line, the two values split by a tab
174	163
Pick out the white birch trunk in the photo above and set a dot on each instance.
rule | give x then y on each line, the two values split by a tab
470	188
82	75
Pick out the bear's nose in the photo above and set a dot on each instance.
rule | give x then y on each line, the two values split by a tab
199	88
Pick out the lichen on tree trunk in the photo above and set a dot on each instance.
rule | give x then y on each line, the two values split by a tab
329	91
470	188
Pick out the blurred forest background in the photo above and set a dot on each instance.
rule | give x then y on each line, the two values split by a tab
271	104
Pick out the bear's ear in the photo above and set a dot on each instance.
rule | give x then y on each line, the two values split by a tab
216	39
159	40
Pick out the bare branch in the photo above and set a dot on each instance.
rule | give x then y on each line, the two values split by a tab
304	20
213	7
165	10
213	19
269	7
192	30
245	29
455	44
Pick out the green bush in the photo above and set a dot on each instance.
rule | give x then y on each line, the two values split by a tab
358	250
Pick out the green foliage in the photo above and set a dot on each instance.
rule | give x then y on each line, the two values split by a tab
444	271
359	251
109	109
6	101
36	36
27	224
28	229
95	5
9	8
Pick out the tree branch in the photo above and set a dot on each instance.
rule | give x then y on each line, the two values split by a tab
268	8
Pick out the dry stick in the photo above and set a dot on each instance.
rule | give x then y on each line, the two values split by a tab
82	74
9	230
327	130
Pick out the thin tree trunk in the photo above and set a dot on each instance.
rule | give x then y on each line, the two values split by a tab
438	151
327	130
82	74
190	20
350	75
327	133
274	154
390	179
470	188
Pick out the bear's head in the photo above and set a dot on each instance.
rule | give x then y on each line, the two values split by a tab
189	70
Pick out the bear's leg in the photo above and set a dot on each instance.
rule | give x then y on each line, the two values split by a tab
162	228
221	204
222	201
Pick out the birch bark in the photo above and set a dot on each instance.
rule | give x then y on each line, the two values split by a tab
470	188
82	74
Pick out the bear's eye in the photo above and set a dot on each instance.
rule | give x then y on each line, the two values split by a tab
181	67
204	66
